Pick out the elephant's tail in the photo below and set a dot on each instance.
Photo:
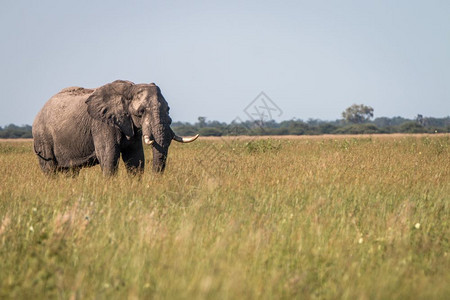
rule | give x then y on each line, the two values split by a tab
39	153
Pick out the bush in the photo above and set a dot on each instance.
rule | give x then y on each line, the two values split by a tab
358	129
210	131
262	146
326	128
412	127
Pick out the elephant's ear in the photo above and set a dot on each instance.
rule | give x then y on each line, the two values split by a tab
109	104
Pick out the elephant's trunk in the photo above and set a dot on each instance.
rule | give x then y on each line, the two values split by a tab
157	132
159	159
162	136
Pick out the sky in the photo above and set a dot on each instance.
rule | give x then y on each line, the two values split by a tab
313	59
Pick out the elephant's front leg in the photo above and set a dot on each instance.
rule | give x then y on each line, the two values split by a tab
133	157
107	152
108	156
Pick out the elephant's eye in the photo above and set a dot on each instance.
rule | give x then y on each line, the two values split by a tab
141	111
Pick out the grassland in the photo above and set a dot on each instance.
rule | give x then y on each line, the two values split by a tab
310	218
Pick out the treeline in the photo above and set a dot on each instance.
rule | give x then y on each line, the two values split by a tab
314	127
291	127
15	132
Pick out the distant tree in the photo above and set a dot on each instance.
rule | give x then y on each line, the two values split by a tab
210	131
420	120
217	124
412	127
358	129
437	122
383	122
358	114
186	130
313	122
298	128
12	131
432	122
201	122
395	121
326	128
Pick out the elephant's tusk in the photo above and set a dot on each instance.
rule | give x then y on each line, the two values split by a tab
184	139
147	140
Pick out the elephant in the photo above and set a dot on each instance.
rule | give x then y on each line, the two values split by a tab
81	127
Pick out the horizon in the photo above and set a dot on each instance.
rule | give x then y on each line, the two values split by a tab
207	120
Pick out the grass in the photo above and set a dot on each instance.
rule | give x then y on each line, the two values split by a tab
313	218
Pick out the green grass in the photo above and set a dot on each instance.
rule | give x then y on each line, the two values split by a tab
312	218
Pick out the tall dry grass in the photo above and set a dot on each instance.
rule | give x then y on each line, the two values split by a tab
309	218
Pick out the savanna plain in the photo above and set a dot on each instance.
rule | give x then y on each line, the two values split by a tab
236	218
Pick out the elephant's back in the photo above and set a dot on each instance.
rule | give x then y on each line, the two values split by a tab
66	103
76	90
68	106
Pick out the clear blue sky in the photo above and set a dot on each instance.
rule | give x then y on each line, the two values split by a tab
312	58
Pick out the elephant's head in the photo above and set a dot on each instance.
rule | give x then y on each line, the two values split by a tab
131	107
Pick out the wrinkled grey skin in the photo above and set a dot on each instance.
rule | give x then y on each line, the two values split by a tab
83	127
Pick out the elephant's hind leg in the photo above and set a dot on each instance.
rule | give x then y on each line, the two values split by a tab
48	166
70	172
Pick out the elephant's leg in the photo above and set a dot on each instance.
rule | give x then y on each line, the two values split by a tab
49	167
109	159
108	156
134	159
107	150
70	172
